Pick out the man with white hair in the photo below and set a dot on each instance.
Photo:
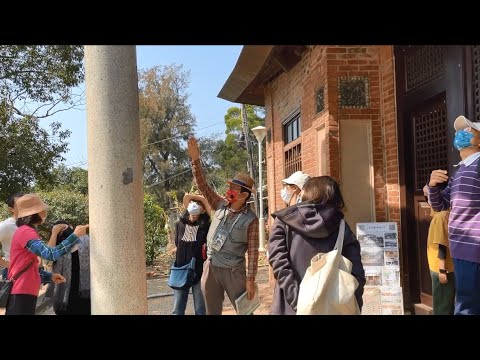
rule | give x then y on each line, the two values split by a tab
462	195
292	186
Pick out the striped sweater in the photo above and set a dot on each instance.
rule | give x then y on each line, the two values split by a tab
462	195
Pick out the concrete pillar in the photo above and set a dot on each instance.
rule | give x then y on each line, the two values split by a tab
117	247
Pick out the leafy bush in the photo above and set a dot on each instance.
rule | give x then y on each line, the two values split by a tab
73	207
63	205
155	234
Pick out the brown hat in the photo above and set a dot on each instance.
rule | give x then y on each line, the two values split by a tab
29	204
189	197
244	181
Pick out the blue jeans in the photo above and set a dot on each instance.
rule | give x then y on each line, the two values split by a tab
181	298
5	273
467	282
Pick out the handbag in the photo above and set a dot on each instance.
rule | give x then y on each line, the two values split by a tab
328	287
6	286
181	277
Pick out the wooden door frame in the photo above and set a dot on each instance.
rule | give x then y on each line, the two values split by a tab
456	79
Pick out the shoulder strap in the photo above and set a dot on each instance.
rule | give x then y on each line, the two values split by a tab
341	235
14	278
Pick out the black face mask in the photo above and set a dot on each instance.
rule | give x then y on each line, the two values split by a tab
64	234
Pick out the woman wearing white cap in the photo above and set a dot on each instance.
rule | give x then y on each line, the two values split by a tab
292	186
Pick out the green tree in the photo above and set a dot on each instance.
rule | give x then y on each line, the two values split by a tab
29	152
155	233
166	124
35	82
73	179
230	154
63	205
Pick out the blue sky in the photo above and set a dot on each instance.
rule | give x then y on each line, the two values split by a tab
209	68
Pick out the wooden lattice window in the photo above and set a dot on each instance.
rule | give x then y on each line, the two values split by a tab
430	127
476	80
293	160
422	64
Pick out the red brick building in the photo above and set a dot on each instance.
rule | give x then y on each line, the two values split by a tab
379	119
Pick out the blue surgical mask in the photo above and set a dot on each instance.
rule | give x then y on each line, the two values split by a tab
462	139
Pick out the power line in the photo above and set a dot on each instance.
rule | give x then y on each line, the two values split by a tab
171	177
155	142
77	163
173	137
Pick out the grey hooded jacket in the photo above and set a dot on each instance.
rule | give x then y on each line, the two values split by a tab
313	229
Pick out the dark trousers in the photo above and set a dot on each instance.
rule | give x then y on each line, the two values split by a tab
21	304
443	294
467	281
76	306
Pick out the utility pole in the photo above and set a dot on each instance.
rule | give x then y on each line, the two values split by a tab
249	152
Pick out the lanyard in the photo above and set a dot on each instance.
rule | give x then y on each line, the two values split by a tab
225	219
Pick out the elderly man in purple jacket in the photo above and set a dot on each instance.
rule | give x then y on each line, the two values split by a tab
462	195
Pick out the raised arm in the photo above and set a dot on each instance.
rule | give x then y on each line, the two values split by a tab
194	152
39	248
439	199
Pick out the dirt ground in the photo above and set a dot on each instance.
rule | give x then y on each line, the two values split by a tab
160	268
157	275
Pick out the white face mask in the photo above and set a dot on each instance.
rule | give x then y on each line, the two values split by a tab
285	195
194	209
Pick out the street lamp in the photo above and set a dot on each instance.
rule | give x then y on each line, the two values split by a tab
260	132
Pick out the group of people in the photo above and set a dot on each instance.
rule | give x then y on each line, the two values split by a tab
222	234
23	248
313	215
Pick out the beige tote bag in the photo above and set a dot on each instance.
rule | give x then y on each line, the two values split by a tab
328	287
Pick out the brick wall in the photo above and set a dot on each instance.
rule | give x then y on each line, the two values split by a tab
282	97
320	67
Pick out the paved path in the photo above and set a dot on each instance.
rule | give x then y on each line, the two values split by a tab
164	305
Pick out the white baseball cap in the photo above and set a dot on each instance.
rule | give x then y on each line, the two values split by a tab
298	178
462	122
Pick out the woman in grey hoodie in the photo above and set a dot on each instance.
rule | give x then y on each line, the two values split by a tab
313	227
